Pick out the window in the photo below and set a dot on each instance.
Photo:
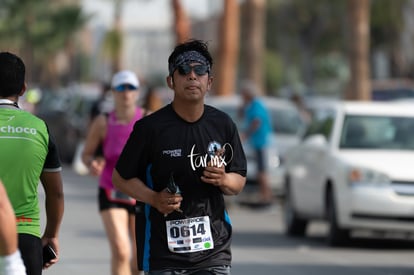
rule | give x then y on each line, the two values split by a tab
322	122
378	132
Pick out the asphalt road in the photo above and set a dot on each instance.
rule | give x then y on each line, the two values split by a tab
259	246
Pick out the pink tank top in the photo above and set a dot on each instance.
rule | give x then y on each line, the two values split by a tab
116	136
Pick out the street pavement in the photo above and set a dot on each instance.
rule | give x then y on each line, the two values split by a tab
84	248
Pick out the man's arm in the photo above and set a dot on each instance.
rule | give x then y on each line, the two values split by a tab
163	201
229	183
54	205
93	140
8	231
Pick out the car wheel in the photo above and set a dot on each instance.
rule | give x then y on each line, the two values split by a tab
294	225
337	236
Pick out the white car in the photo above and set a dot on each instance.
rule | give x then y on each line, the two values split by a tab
287	128
353	168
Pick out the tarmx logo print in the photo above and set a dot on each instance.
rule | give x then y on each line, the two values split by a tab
215	155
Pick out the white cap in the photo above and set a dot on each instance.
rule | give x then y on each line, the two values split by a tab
125	77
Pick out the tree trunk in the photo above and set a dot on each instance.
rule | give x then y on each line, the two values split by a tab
255	48
360	82
117	58
181	22
228	50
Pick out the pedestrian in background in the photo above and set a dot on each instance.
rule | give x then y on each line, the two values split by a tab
28	155
258	128
11	262
111	131
152	100
304	112
178	163
103	104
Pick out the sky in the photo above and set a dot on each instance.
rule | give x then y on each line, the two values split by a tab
147	13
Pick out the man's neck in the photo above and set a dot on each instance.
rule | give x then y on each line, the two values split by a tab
11	98
189	112
9	101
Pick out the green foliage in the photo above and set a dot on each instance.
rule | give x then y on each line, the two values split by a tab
112	44
386	21
311	36
301	30
38	23
332	65
314	23
38	28
273	72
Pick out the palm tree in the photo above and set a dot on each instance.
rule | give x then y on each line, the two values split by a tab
39	31
113	41
254	48
359	41
181	22
228	49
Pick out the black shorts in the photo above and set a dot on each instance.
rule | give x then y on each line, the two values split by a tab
105	204
30	248
261	160
217	270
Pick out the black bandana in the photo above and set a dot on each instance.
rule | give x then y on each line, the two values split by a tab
186	58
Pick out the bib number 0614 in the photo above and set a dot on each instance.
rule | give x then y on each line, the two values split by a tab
186	231
189	235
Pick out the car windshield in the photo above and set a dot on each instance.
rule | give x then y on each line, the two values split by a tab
284	121
377	132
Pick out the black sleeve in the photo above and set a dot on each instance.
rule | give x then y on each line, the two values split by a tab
237	156
52	161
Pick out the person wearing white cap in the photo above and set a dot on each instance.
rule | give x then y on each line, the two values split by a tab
111	131
125	77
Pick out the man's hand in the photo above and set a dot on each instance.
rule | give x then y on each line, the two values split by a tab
166	202
214	175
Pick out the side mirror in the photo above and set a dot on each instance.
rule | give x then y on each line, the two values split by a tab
317	140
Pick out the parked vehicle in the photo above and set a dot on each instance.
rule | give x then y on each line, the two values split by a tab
353	169
287	128
392	89
67	113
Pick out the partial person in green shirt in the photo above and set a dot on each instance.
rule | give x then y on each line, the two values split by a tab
28	156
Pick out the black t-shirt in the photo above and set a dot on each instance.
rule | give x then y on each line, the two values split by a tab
162	144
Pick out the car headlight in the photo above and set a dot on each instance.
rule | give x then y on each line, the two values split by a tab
359	175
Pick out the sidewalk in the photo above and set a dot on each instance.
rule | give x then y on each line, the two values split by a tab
83	244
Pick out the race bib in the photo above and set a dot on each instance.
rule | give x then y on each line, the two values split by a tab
189	235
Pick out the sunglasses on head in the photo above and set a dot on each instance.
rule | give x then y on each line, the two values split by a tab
185	69
124	87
